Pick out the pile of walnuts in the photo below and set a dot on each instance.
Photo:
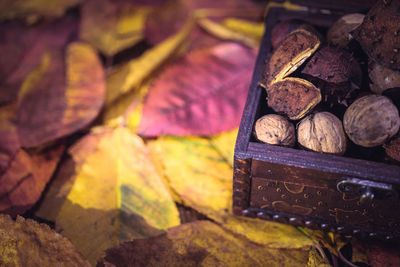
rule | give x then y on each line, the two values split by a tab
326	93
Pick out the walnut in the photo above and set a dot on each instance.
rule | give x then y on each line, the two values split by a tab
382	78
333	65
322	132
275	130
371	120
339	33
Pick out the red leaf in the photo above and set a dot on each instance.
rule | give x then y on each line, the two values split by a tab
201	94
24	181
22	47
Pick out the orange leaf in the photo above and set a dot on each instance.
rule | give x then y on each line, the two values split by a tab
25	179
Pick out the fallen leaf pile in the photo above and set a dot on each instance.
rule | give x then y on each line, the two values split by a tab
118	121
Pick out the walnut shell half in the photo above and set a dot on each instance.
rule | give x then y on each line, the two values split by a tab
322	132
290	54
293	97
274	129
371	120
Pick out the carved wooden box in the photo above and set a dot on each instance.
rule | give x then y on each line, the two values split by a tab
351	194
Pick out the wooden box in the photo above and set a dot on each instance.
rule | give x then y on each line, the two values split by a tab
350	194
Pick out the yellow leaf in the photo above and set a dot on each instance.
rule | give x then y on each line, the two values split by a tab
268	233
224	143
250	28
315	260
226	33
112	26
196	171
32	10
201	243
116	194
131	75
126	110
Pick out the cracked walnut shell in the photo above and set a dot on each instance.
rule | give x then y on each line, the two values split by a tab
371	120
322	132
275	130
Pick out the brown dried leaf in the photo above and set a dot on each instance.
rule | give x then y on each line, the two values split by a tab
28	243
200	243
56	100
22	184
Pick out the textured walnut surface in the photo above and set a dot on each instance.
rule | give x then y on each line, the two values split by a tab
322	132
371	120
274	129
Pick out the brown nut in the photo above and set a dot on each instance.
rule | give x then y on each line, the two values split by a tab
379	34
284	28
371	120
289	55
339	33
293	97
333	65
322	132
382	78
274	129
393	149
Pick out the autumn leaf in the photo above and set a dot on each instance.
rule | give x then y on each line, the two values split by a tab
22	49
168	18
196	171
254	29
22	241
56	99
200	94
131	75
9	144
112	26
33	10
225	33
112	193
24	180
267	233
201	243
